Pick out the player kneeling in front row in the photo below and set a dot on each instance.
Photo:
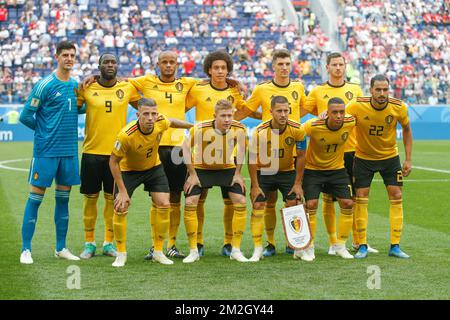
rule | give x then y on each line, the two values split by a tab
325	172
208	154
271	165
135	161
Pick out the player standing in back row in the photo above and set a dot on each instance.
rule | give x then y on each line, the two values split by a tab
51	111
106	103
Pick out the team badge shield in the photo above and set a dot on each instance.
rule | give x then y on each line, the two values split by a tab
296	227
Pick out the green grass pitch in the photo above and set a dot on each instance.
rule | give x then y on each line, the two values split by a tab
426	238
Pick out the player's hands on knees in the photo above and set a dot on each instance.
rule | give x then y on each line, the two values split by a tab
298	191
407	167
237	178
121	203
88	81
191	182
255	192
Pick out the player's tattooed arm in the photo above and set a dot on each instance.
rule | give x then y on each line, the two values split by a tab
407	142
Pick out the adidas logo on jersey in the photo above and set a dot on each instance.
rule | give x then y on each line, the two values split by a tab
155	87
140	146
208	99
326	97
95	94
366	118
57	94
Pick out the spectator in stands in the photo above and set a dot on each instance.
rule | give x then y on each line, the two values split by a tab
3	13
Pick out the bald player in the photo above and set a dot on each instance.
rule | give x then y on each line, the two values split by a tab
170	94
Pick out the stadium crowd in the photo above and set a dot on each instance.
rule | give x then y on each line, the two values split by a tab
405	39
138	30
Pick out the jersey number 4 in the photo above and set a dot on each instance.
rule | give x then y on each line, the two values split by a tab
169	96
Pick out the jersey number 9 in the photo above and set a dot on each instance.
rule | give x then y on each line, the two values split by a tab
108	106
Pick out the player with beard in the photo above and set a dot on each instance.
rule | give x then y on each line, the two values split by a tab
106	103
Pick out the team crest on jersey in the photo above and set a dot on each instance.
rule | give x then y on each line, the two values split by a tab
389	119
296	224
36	176
344	136
179	87
294	95
231	99
120	94
349	95
289	141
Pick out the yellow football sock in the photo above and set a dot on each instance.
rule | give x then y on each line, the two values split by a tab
355	239
201	220
396	220
239	220
345	225
228	211
312	214
175	216
257	226
120	231
89	216
329	217
161	227
361	216
108	212
191	225
152	223
270	221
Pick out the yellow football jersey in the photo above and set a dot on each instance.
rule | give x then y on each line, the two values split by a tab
275	151
212	149
106	114
263	93
138	150
170	98
204	97
376	129
326	146
317	102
